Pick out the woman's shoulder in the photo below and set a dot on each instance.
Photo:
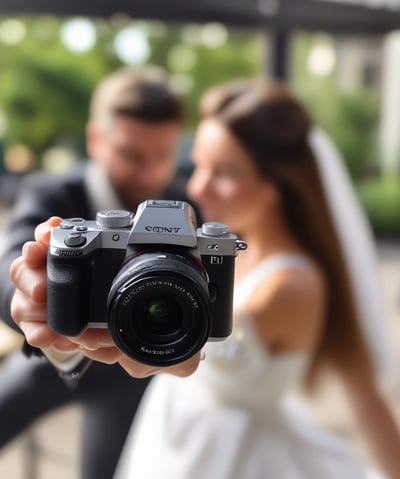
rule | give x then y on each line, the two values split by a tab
283	276
293	281
289	290
289	305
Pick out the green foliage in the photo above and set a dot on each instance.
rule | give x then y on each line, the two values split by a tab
44	104
349	116
351	119
239	58
45	88
381	199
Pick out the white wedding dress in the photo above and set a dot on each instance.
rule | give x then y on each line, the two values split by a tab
229	419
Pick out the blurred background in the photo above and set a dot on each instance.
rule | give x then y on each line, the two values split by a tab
343	61
341	57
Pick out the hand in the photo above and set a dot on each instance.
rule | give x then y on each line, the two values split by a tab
28	309
28	305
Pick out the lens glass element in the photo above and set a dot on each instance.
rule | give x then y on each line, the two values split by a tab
162	315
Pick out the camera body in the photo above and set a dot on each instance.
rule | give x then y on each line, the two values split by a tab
162	287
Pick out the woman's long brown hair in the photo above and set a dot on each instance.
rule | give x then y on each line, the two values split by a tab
272	125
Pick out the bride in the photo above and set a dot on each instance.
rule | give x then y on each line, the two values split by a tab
305	302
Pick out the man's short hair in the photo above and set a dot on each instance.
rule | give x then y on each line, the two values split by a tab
143	93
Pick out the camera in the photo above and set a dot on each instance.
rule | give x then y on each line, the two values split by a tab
162	287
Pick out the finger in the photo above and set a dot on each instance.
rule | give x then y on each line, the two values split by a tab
31	282
34	254
42	231
24	309
104	355
61	343
93	339
185	368
135	369
37	334
40	336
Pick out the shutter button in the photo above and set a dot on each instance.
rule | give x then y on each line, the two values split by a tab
75	239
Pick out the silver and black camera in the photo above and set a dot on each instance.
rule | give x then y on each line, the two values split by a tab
160	286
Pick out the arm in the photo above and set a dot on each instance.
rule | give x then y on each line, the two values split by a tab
28	309
375	420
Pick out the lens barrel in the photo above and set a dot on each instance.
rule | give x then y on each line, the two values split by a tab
158	308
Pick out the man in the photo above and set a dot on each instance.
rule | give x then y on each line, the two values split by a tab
132	138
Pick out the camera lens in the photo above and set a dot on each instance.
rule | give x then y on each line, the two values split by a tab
162	315
158	308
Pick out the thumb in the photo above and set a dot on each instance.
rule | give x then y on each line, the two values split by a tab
43	230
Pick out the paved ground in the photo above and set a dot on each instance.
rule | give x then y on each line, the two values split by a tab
50	449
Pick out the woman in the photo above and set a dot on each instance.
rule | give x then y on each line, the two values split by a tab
295	313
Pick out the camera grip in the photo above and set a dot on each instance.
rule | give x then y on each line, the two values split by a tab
221	273
67	295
